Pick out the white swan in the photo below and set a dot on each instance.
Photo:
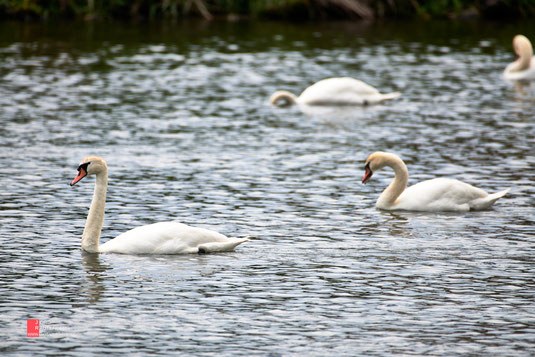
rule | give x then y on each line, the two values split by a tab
524	66
439	194
157	238
334	91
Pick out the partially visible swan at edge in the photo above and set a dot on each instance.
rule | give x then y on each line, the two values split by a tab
334	91
524	66
439	194
157	238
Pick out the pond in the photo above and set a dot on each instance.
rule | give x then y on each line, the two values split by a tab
180	113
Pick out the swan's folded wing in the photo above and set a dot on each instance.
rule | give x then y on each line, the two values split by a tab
162	238
334	91
439	194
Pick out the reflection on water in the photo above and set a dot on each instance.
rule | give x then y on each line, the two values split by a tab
524	90
94	287
180	113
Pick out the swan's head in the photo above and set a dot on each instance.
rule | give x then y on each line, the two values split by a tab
377	161
91	165
282	98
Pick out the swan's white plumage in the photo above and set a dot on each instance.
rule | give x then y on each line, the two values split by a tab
169	238
157	238
443	194
524	67
528	74
335	91
439	194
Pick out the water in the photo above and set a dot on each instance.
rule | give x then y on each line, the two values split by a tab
180	113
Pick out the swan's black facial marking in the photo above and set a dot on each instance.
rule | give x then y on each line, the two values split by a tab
83	166
368	173
202	251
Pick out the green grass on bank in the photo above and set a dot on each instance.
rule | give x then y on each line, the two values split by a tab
282	9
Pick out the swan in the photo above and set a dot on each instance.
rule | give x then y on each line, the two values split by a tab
333	91
156	238
439	194
524	66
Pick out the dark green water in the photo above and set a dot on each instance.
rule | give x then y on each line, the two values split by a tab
180	112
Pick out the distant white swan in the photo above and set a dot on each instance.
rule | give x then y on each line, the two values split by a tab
439	194
334	91
524	66
157	238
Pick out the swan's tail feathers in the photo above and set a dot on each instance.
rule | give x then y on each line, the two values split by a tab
388	96
495	196
227	246
486	202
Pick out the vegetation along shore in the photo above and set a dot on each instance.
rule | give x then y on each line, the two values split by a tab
274	9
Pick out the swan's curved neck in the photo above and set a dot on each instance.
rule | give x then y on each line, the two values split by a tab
524	62
397	186
525	52
283	97
95	218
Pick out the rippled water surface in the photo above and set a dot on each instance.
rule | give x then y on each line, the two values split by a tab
180	113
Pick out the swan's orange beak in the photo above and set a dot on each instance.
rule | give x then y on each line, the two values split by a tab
81	174
367	175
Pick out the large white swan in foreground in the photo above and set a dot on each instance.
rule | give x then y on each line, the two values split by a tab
157	238
439	194
524	66
334	91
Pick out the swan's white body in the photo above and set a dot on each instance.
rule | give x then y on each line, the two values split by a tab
157	238
439	194
527	74
168	238
334	91
524	67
